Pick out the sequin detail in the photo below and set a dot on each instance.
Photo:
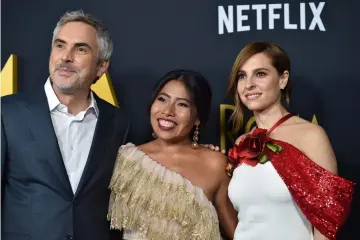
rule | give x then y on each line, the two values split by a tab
158	203
323	197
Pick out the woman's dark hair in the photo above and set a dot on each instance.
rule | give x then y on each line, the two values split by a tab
197	87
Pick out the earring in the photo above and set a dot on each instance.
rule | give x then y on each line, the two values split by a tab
196	137
154	135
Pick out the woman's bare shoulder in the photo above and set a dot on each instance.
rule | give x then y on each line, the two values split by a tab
314	142
213	159
305	130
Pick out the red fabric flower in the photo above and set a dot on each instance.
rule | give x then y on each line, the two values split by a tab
251	150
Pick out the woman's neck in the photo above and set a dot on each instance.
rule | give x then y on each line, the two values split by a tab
267	118
172	146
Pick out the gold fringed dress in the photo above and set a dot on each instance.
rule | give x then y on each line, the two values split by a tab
152	202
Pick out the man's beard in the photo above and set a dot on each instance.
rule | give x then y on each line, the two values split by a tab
70	87
79	82
67	89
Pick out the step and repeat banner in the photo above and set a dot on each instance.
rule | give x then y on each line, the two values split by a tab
150	38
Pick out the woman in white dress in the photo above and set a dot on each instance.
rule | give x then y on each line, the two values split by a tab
171	187
284	183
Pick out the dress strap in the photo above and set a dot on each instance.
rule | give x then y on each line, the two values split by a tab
278	123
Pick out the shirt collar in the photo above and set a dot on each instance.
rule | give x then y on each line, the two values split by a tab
93	104
54	102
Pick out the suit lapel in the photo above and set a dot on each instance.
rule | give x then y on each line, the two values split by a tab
37	116
99	145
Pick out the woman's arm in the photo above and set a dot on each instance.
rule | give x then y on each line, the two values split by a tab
226	212
316	145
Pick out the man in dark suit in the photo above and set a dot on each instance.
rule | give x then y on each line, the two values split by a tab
58	146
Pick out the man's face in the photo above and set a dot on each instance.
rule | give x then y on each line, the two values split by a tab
74	60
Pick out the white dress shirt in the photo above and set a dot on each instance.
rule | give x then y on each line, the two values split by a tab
74	133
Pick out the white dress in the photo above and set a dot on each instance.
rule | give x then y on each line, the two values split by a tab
266	210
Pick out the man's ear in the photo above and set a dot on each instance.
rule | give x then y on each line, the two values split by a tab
103	67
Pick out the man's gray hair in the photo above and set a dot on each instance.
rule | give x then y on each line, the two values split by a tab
102	34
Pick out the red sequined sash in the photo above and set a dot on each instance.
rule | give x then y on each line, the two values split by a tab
324	198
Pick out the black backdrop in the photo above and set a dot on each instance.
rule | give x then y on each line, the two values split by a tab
153	37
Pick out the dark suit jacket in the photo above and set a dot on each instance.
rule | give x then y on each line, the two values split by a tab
37	201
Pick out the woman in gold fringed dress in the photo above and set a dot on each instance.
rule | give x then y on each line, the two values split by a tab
172	187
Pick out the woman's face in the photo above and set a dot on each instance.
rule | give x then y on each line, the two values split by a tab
172	114
259	84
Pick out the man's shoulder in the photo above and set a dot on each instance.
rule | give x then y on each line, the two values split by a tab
121	111
10	101
13	98
34	95
17	101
